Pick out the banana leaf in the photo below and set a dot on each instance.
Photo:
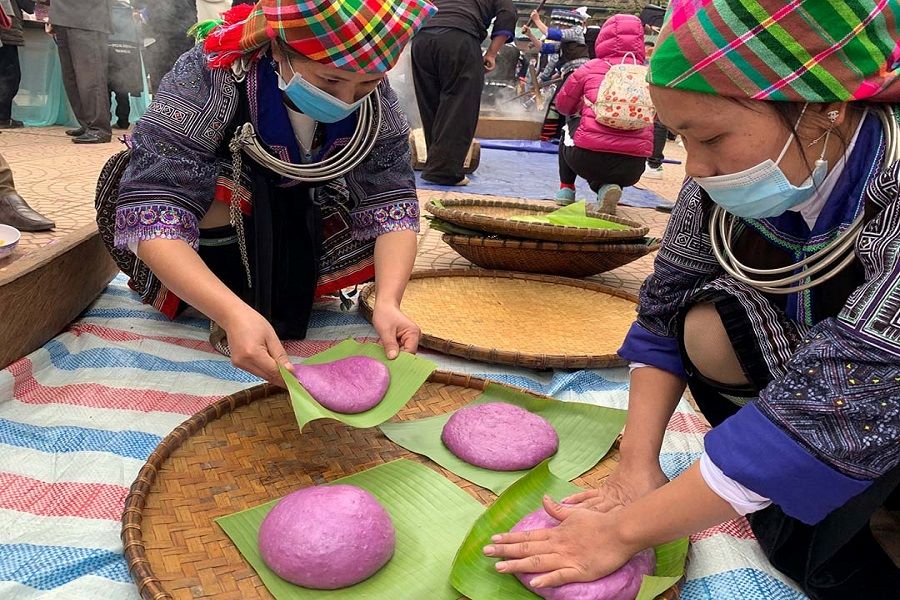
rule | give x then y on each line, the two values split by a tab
586	433
430	514
573	215
408	373
473	574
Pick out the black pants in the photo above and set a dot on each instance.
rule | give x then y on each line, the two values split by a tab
123	106
598	168
84	56
659	144
835	559
448	73
10	78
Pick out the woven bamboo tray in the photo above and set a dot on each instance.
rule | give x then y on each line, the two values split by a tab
242	451
493	216
548	258
518	319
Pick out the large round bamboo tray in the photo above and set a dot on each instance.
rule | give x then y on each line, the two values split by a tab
493	216
242	451
517	319
548	258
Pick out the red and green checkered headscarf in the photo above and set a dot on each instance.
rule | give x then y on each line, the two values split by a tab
355	35
777	50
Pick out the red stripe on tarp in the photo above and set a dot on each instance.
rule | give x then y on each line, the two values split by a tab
67	499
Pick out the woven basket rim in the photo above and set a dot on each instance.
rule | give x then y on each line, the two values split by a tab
506	357
149	585
453	211
546	245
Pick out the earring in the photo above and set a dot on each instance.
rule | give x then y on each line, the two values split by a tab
832	116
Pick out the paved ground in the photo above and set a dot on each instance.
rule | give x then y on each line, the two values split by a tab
58	179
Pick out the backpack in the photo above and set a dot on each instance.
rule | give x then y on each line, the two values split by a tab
623	99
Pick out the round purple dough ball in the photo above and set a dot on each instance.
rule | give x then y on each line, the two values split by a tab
327	537
618	585
499	436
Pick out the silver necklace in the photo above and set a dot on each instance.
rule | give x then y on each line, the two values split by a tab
816	268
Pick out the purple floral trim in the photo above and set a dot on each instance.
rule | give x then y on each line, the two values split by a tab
372	222
136	223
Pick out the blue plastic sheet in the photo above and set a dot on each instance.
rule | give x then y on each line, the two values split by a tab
536	146
534	176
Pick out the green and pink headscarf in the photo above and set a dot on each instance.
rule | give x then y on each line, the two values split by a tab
777	50
356	35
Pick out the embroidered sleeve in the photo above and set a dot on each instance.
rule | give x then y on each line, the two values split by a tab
683	264
833	420
170	180
383	187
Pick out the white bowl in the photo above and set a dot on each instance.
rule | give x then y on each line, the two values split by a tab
9	239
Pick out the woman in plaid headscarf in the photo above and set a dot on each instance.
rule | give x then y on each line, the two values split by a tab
273	167
774	297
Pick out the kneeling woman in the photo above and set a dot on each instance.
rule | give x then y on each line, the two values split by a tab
774	296
273	167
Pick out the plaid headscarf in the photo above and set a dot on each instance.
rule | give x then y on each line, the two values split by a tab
356	35
777	50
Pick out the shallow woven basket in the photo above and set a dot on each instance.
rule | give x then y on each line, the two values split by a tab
548	258
518	319
244	450
493	216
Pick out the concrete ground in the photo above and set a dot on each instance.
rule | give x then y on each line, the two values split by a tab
58	179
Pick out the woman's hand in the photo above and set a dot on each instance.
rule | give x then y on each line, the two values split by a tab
254	345
585	546
621	488
396	330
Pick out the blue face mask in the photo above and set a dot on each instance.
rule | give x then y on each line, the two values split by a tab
315	103
763	191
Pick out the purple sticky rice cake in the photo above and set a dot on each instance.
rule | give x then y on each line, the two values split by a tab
500	437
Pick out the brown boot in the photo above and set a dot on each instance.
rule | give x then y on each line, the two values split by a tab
15	211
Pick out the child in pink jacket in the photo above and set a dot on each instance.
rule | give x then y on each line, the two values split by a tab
609	159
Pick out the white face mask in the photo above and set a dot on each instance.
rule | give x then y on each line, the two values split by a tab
764	191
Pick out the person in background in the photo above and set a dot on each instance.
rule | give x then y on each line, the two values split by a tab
774	297
609	159
564	39
10	70
660	132
81	28
448	75
14	211
125	74
167	22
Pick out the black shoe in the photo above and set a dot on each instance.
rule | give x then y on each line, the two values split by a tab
76	132
92	138
122	125
15	211
11	124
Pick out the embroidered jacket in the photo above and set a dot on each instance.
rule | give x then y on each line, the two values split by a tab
180	165
829	422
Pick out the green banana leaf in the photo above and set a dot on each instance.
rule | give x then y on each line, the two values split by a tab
586	433
408	373
430	514
573	215
473	574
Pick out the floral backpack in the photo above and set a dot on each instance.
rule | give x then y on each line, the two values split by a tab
623	99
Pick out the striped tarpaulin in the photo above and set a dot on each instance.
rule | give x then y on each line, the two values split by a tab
79	417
